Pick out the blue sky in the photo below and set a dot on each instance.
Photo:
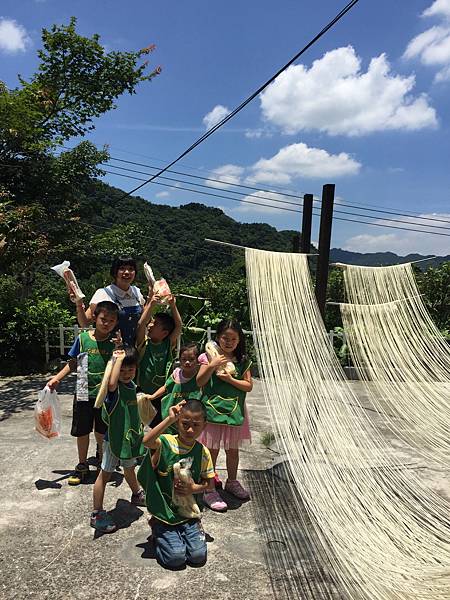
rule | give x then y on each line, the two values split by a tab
365	108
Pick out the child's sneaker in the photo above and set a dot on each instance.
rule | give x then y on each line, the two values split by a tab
80	473
214	501
138	499
235	488
217	482
103	522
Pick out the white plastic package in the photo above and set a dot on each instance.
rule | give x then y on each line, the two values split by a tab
47	413
159	287
68	275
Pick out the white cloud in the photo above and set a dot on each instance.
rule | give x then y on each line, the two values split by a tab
162	195
13	36
440	8
263	202
226	174
403	242
432	47
215	115
336	97
258	133
290	163
299	160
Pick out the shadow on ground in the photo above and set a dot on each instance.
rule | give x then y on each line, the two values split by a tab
292	552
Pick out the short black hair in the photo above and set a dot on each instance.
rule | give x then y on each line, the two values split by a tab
195	406
189	346
166	321
106	306
131	356
122	261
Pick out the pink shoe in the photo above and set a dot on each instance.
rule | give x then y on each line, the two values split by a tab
214	501
235	488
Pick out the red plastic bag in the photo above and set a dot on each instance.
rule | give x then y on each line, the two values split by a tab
47	413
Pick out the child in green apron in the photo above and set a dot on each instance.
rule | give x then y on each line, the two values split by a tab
156	338
224	399
177	540
89	356
123	440
182	383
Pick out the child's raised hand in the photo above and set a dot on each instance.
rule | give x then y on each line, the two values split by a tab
117	340
174	411
118	354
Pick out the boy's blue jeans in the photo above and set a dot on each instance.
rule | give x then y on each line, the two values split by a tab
177	545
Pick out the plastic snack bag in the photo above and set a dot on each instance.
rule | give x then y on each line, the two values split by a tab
146	409
159	287
68	275
187	506
47	413
212	350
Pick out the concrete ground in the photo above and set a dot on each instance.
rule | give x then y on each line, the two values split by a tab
48	550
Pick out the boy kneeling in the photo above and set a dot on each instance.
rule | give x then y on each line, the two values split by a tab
177	540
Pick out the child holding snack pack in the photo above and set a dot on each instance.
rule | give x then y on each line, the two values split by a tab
224	399
123	439
156	338
178	540
89	355
182	383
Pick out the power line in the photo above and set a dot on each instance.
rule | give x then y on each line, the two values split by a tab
278	189
234	112
271	206
276	200
288	194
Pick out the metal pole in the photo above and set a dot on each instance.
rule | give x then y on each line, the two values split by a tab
47	347
306	223
61	339
326	219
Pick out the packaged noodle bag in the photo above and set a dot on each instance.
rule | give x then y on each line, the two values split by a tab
68	275
159	287
212	350
47	413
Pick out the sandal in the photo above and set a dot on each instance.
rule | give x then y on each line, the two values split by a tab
214	501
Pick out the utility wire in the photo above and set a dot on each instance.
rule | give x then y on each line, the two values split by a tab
276	189
243	104
271	206
288	194
277	200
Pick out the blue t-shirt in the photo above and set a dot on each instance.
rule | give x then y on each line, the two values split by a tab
75	350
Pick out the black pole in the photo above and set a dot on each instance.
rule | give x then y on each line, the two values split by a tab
326	219
305	247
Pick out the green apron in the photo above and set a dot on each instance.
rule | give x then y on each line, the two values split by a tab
125	430
155	365
98	354
158	483
177	392
223	402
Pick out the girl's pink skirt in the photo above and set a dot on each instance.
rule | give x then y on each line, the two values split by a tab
226	436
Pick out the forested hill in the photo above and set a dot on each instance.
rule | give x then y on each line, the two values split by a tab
170	238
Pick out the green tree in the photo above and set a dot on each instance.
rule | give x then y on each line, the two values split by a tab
45	205
41	195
